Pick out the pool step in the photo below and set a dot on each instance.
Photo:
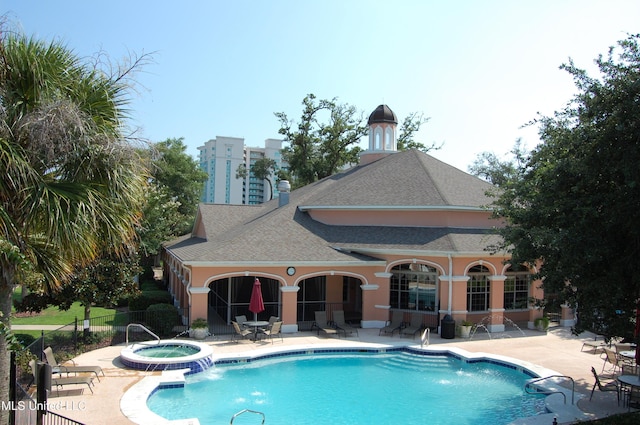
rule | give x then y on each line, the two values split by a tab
415	362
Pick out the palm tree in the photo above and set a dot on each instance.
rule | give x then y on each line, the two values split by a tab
70	182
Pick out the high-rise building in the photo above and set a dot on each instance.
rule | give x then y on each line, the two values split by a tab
220	159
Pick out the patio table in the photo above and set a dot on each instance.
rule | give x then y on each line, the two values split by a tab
255	324
628	355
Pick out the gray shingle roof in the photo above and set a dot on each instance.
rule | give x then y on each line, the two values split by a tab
266	233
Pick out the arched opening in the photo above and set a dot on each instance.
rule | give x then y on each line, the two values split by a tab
414	289
478	289
229	297
329	293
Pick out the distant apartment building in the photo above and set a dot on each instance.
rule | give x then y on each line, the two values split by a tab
221	157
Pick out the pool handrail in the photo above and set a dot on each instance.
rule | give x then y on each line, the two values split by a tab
546	391
424	338
245	411
141	327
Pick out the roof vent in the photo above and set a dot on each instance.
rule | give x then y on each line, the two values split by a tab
283	187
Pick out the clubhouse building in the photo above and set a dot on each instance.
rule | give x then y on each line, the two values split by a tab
401	231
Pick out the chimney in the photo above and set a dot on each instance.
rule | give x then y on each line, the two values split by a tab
283	188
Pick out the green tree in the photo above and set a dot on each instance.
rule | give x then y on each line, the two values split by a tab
262	169
406	134
499	172
172	198
70	184
318	149
575	206
103	282
175	170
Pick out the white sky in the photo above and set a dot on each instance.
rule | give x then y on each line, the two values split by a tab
478	69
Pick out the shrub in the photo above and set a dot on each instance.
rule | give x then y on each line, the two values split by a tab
145	299
162	318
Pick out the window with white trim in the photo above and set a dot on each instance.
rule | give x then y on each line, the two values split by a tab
478	289
516	288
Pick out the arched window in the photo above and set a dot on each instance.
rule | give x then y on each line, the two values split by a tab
378	138
388	139
413	287
478	289
516	288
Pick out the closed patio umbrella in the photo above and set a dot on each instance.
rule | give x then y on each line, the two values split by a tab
256	304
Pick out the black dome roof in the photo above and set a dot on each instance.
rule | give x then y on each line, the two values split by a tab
383	114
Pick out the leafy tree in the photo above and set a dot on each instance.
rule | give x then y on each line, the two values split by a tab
70	184
175	170
262	169
575	207
409	127
496	171
105	281
316	149
171	201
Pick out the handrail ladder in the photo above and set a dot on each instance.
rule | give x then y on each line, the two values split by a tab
247	411
573	387
141	327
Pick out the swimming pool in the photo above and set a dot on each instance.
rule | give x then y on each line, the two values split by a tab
353	387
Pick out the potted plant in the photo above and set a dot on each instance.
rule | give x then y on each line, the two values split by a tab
465	329
199	329
541	323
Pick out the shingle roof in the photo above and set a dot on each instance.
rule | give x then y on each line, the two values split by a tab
409	178
266	233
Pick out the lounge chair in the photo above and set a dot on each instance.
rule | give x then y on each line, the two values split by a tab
239	332
395	325
414	327
611	385
276	329
322	324
62	368
338	319
61	382
596	346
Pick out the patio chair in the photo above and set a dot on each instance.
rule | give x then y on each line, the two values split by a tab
414	327
239	332
322	324
276	329
628	369
61	382
611	358
611	385
272	320
241	320
623	359
338	319
395	325
62	368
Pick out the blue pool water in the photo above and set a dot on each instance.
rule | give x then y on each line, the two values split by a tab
391	388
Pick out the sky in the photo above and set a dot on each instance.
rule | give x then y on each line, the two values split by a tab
479	70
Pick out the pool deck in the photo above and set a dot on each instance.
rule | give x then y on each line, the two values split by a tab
556	350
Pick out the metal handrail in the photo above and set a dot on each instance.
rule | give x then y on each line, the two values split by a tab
245	411
141	327
573	387
425	337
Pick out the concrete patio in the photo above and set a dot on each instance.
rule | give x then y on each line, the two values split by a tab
556	350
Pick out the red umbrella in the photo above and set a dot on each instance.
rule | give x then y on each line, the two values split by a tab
256	304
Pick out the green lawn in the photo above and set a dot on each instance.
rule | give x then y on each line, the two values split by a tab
53	316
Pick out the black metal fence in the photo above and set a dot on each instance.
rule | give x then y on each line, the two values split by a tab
67	341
